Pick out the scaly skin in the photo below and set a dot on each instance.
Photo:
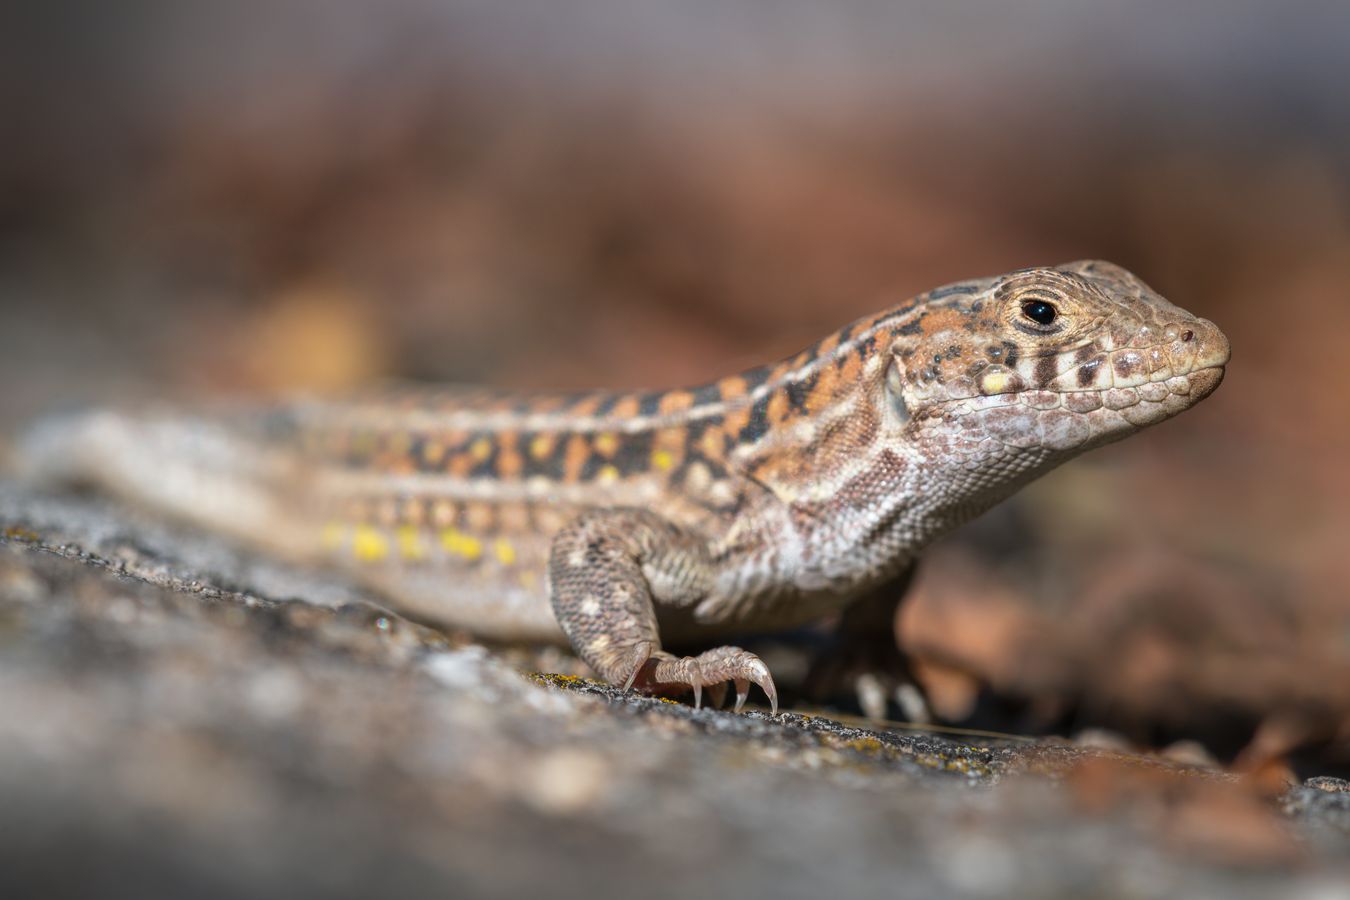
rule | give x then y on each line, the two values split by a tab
763	500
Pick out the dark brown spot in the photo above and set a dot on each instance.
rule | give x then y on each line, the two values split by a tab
649	403
799	392
634	453
1187	335
951	290
759	421
1046	371
1087	372
708	394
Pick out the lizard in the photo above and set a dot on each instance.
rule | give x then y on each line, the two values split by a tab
616	520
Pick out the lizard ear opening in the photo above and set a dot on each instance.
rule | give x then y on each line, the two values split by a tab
895	390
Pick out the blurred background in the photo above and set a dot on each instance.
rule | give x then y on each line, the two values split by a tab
251	197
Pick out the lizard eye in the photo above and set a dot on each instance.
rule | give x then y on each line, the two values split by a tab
1039	312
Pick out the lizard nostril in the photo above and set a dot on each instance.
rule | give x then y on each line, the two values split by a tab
1187	335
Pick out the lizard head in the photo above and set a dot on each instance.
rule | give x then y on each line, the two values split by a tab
1007	377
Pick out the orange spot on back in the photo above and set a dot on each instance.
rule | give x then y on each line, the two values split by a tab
713	443
675	401
942	319
509	460
578	449
822	392
626	408
586	406
732	388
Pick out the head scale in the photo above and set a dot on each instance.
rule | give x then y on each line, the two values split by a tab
997	385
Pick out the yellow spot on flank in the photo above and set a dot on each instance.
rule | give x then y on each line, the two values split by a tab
480	449
368	545
506	554
607	475
461	544
607	443
541	446
432	451
663	460
410	543
994	383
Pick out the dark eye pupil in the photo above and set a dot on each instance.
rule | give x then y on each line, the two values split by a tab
1038	312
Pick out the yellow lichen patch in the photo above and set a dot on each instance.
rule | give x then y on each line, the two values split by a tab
506	554
560	681
869	745
410	543
663	460
460	544
333	536
606	443
368	545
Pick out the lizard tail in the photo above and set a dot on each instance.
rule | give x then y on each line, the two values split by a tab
201	468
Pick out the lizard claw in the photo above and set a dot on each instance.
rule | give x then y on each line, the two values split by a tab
765	682
742	692
641	653
712	670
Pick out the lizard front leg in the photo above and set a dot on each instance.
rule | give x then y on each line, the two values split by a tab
607	571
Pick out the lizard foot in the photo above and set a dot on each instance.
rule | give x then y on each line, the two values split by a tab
874	674
661	672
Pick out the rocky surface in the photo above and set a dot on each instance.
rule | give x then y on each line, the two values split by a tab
181	718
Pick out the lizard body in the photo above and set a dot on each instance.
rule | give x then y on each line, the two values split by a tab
762	500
